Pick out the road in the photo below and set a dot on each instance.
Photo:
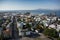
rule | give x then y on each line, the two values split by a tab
14	27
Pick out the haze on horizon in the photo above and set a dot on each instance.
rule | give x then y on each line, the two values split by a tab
29	4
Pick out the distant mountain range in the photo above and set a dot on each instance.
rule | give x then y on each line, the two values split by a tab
31	10
37	11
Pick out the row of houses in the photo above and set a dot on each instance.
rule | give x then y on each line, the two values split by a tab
47	21
5	30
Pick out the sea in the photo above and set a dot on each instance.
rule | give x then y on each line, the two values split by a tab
34	12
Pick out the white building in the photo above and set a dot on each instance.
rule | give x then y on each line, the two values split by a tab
45	23
37	18
28	32
58	27
52	26
58	19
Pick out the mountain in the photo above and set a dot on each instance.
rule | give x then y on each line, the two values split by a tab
37	11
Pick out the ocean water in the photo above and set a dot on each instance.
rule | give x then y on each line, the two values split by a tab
34	12
47	12
57	12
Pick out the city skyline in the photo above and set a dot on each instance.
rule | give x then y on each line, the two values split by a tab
29	4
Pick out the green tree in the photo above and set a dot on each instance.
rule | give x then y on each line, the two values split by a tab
28	26
18	19
40	28
58	38
4	28
51	32
0	37
1	22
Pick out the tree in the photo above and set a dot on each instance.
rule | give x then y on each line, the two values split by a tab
51	32
58	38
18	19
1	22
1	37
4	28
28	26
40	28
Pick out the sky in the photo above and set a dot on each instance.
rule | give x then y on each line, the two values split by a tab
29	4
